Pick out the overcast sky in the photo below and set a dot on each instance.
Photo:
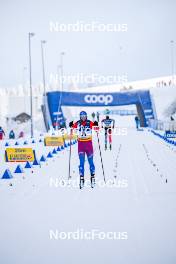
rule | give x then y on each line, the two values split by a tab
141	52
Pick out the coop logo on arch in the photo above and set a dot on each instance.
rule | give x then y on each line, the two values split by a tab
101	99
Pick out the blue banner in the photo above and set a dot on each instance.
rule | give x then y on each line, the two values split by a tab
170	134
141	98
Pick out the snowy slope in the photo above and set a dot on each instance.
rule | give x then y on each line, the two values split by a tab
143	207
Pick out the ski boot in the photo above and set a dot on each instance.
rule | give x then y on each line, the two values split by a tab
92	180
81	184
110	147
105	146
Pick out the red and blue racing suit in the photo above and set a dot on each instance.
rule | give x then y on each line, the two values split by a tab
85	147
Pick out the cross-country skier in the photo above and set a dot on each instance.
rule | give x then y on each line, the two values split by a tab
108	124
98	116
84	131
2	133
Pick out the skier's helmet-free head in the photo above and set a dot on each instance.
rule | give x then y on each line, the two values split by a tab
107	117
83	115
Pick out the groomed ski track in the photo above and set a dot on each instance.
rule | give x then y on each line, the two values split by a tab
144	207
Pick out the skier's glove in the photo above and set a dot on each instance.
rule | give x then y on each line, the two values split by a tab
71	124
95	123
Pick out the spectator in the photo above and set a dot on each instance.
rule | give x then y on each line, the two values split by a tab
11	134
2	133
21	135
137	122
172	119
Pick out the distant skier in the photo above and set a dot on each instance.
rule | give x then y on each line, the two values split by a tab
137	121
93	116
98	116
11	135
84	128
108	125
2	133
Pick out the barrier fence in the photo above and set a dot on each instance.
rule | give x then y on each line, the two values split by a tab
162	125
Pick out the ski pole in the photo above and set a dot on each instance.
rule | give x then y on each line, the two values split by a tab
101	157
69	168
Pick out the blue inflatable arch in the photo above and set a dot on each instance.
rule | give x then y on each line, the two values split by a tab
142	100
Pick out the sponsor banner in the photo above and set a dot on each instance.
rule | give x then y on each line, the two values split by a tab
53	141
19	155
170	134
98	99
